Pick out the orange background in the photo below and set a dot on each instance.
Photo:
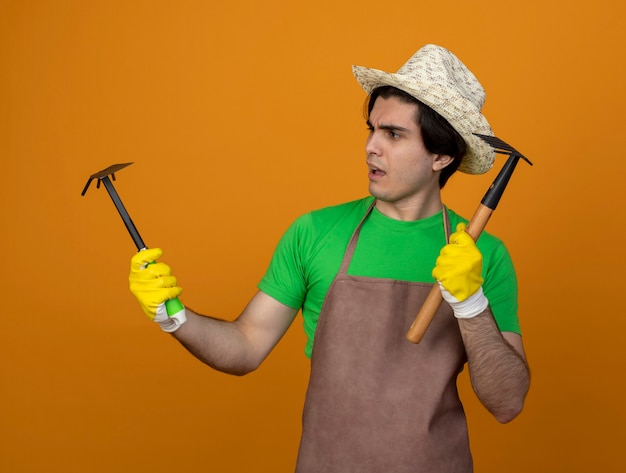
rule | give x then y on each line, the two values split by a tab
240	116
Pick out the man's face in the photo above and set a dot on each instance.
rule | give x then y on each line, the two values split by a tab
402	172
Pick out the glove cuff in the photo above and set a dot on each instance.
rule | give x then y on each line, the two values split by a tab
170	323
472	306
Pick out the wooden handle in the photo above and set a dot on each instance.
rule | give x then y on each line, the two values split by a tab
425	315
433	300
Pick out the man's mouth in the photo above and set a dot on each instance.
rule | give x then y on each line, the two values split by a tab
376	173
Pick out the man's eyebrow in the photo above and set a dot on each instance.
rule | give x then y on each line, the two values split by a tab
388	127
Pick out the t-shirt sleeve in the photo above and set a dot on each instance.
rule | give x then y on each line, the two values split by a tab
500	287
284	279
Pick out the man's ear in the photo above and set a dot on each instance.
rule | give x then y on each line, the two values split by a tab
441	161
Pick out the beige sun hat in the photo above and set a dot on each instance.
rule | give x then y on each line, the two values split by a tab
439	79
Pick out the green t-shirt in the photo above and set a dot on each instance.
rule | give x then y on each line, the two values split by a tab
310	252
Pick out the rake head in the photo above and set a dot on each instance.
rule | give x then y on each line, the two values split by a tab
110	171
501	147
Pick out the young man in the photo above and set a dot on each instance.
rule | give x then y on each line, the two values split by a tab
360	271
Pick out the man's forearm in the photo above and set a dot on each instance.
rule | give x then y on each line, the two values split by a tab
237	347
499	373
217	343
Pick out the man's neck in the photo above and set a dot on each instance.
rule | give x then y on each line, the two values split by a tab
410	210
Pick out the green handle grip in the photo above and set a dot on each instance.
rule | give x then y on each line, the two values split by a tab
174	306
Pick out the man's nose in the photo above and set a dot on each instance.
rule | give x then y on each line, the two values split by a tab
372	146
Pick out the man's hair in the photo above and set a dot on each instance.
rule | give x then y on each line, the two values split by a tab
438	135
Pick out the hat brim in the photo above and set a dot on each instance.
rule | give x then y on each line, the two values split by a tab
458	111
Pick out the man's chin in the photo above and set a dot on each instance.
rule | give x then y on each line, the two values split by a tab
378	195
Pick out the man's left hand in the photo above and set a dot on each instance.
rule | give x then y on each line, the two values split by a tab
459	274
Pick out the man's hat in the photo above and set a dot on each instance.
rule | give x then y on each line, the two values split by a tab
439	79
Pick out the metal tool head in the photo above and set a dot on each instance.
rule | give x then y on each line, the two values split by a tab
110	171
492	197
501	147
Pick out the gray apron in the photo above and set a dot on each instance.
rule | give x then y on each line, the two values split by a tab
377	403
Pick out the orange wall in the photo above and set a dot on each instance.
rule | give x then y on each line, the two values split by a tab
240	116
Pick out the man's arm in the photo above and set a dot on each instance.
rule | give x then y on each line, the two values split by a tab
497	366
237	347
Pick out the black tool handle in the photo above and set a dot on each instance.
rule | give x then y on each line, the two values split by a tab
494	193
130	226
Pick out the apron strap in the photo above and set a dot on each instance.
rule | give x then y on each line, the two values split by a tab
347	257
446	224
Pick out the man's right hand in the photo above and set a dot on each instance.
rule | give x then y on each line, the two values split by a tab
152	284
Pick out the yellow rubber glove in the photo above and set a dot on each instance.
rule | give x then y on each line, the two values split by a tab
459	273
152	284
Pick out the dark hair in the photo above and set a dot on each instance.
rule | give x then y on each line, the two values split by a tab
438	135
